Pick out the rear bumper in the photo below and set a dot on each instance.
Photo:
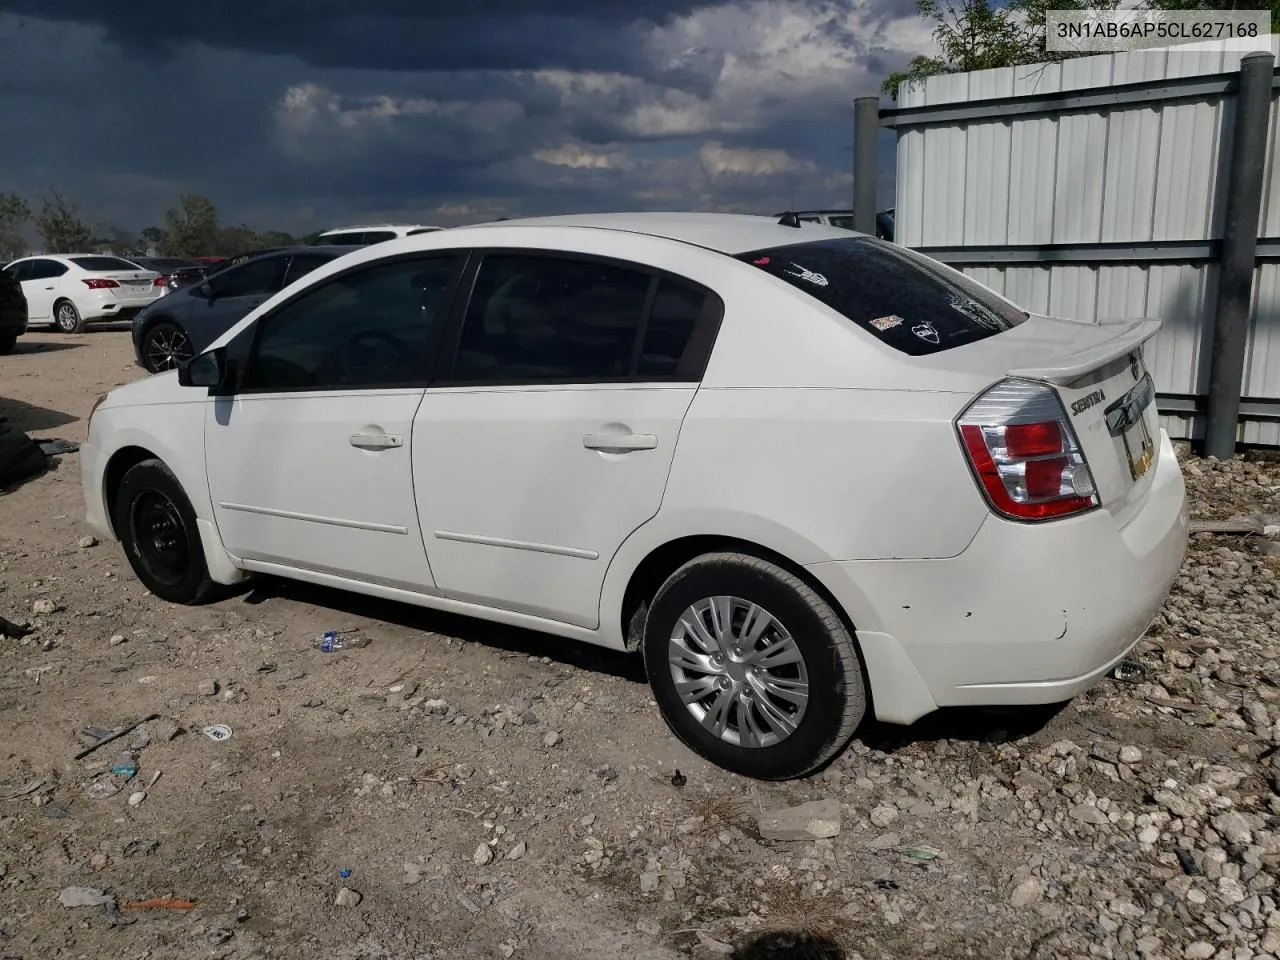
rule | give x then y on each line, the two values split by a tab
1028	614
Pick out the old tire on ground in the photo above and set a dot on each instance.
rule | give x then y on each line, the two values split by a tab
157	526
67	319
751	668
164	346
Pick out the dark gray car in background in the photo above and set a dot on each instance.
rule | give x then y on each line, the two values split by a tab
182	323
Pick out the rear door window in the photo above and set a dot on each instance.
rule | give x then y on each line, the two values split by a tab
45	270
102	263
254	278
905	300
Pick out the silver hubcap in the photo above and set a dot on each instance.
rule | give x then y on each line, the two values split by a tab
167	348
738	671
67	316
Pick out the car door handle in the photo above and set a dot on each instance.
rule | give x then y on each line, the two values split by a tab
376	441
620	442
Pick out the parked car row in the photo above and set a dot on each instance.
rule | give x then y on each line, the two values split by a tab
812	475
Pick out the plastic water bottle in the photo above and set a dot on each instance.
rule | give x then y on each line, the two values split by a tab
333	641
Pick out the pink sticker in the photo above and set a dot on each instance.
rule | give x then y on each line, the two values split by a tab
761	262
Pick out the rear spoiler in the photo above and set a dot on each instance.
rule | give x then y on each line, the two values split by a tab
1129	336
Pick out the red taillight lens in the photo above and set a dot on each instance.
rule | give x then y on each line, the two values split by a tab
1025	454
1024	440
98	283
159	282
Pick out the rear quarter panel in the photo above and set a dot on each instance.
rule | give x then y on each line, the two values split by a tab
826	474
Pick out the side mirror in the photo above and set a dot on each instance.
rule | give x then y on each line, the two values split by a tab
205	290
209	370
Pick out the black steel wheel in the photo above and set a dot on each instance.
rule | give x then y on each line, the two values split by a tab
157	526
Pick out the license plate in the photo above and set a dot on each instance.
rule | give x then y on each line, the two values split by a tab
1126	420
1140	448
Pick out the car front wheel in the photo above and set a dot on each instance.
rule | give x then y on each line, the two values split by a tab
157	527
164	346
751	668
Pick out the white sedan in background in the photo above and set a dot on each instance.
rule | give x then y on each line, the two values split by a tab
71	290
810	475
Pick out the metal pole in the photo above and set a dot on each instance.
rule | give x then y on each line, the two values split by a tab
1239	248
866	129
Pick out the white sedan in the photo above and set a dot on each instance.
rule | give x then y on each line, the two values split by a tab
70	290
812	476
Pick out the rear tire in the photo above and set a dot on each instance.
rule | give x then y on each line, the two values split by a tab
784	679
67	319
164	346
157	526
7	343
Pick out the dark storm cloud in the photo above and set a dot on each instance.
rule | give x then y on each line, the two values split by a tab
381	34
299	115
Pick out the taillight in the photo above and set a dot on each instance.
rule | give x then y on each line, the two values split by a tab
159	282
98	283
1024	453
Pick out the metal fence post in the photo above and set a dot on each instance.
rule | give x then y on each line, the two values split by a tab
1239	249
866	130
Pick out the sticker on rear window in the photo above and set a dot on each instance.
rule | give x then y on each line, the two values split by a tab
815	278
887	323
927	332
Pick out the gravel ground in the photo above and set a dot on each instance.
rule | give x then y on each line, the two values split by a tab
463	791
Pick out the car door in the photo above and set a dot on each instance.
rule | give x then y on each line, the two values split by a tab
40	282
236	291
549	439
309	460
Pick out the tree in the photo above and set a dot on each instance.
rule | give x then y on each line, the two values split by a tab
14	215
976	35
276	238
152	235
191	230
233	241
60	226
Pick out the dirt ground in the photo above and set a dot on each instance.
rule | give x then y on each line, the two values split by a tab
485	792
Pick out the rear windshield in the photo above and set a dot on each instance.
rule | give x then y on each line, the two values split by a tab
102	263
907	301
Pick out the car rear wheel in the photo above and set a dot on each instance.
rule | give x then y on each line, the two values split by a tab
7	343
67	318
164	346
751	668
157	526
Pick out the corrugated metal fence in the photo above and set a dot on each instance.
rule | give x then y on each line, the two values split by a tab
1093	189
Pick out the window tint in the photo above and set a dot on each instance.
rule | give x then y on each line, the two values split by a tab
908	301
377	236
304	263
45	270
339	240
677	308
540	318
18	271
843	222
252	278
102	263
377	327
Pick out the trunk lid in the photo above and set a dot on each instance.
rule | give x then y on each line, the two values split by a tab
1099	372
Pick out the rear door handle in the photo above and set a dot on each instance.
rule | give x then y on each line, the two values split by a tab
376	441
620	442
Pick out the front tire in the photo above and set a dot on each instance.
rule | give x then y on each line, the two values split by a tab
164	346
67	319
157	526
751	668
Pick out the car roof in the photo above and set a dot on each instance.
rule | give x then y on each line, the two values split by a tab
381	226
728	233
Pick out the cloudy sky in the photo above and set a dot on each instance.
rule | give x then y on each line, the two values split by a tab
303	114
